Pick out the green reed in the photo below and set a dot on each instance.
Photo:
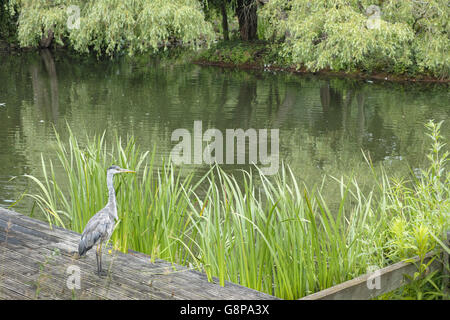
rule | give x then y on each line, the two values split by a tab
266	233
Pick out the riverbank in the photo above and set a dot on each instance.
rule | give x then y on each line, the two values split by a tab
260	55
6	47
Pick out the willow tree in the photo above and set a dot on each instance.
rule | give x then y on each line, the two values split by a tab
404	35
110	26
244	10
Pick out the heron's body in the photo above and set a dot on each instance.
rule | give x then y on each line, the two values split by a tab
98	230
100	227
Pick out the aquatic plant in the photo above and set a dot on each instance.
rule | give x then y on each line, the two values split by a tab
270	234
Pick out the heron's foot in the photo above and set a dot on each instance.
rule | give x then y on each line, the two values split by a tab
102	273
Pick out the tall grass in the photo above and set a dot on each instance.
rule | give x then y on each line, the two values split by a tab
270	234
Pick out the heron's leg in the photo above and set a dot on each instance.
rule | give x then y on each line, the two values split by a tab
99	264
99	260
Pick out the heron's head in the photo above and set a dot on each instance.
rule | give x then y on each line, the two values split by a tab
116	169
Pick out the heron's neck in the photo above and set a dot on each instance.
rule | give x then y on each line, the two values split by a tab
111	196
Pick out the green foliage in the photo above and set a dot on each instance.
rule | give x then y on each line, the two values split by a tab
114	26
272	235
422	217
7	23
236	52
421	208
425	286
409	36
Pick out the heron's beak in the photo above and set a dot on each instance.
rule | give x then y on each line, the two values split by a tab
127	171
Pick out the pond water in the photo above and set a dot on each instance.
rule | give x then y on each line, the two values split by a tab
324	123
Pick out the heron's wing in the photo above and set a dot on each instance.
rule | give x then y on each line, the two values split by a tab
97	228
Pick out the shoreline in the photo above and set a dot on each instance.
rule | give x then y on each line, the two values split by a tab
8	48
358	75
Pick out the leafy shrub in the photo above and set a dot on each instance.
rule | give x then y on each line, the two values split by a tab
410	36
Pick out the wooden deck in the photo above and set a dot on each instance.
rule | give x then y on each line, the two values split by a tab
37	262
389	279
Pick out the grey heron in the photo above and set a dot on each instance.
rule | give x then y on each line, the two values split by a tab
99	228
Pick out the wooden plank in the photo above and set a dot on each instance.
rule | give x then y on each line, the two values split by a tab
212	289
204	288
22	290
373	284
26	242
446	267
50	279
36	251
160	276
8	294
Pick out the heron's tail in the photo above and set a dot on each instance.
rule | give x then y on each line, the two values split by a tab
88	240
83	246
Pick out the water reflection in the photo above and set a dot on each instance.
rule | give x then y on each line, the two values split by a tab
324	122
45	86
